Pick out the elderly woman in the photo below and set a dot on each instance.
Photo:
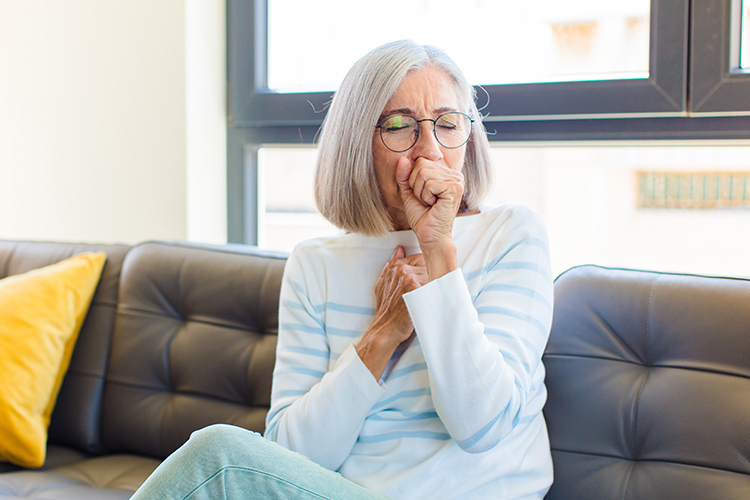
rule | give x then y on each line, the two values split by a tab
409	352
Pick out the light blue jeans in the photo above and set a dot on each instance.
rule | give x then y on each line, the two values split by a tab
227	462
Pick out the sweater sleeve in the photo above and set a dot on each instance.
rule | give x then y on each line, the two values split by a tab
318	403
484	353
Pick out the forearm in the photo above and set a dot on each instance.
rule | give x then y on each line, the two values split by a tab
479	387
324	422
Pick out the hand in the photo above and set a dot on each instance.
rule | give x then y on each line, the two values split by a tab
392	324
431	194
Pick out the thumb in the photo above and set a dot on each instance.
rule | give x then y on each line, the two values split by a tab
403	171
399	253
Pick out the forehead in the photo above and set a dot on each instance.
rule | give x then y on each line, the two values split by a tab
425	91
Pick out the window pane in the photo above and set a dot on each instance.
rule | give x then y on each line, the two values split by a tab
287	212
590	197
493	41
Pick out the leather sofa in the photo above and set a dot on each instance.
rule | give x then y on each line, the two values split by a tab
177	337
648	373
648	377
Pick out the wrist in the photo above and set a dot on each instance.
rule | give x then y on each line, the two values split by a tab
375	351
440	259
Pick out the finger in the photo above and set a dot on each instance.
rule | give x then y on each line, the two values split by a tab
423	175
399	253
433	184
415	260
432	190
403	171
403	174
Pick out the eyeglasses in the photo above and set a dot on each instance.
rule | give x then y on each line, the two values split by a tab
400	132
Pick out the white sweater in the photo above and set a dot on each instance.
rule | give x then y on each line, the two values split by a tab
457	414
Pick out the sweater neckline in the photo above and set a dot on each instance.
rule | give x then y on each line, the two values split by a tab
408	239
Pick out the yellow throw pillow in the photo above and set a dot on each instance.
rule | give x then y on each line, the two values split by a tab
41	313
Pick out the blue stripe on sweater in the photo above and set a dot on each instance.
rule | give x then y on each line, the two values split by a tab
403	416
401	395
342	332
496	265
307	351
473	440
506	311
301	371
302	328
333	306
407	370
289	393
481	433
299	307
390	436
521	290
508	357
365	311
509	335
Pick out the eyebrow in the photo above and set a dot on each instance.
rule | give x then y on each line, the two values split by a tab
408	111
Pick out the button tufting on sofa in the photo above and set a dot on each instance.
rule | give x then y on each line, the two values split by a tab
649	386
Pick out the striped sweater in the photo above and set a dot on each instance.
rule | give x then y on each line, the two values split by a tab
457	413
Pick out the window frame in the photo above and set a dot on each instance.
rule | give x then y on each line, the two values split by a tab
718	86
692	93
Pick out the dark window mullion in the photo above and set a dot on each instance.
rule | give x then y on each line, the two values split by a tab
716	87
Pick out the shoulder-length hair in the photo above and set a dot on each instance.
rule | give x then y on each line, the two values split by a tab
346	188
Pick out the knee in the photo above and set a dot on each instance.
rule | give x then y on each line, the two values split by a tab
220	436
224	443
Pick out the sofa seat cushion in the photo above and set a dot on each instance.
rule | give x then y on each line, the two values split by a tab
57	456
113	477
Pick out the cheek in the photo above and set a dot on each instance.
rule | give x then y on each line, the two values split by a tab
454	158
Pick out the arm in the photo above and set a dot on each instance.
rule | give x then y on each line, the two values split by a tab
317	406
484	356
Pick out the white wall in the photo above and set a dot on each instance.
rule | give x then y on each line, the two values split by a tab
98	140
206	121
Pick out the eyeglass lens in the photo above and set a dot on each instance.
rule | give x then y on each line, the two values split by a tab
400	132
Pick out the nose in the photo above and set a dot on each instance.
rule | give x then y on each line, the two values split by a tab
427	145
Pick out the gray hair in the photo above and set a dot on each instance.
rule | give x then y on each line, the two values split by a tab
346	188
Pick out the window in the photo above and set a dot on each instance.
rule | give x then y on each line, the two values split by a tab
692	101
561	40
590	197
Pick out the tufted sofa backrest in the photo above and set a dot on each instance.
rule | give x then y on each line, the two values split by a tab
194	344
76	419
649	386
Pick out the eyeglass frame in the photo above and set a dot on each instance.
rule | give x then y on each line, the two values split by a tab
434	130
